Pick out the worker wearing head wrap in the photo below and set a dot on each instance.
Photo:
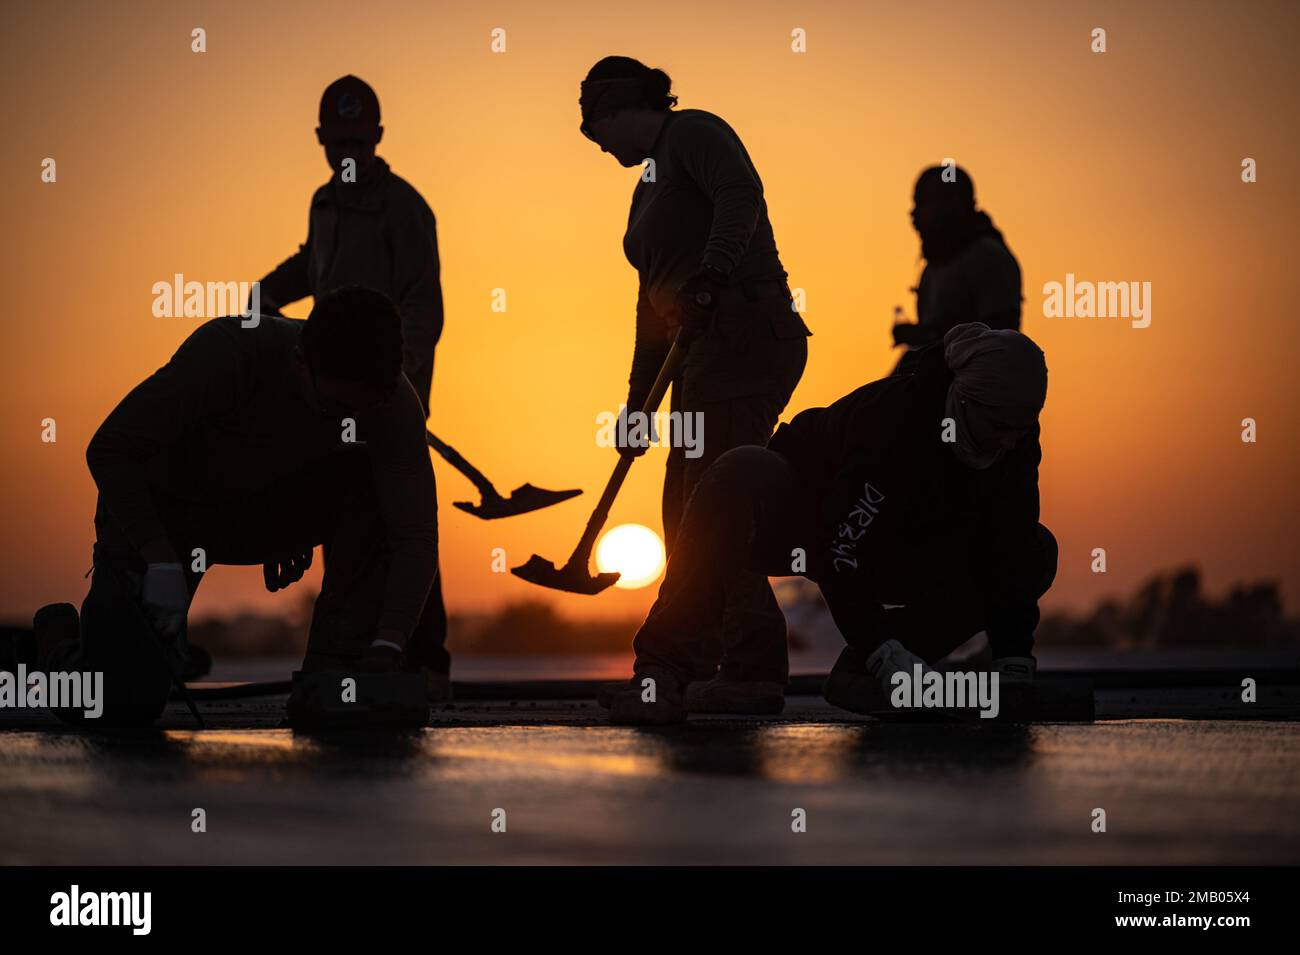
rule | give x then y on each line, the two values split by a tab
698	232
915	501
999	386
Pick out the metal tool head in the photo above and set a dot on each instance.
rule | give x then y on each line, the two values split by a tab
572	577
522	499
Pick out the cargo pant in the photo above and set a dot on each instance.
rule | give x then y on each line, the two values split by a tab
736	381
752	510
331	503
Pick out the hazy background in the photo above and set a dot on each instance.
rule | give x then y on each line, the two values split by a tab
1123	166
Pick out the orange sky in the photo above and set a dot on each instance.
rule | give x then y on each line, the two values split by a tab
1120	166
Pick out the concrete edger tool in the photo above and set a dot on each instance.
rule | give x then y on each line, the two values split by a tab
574	575
522	499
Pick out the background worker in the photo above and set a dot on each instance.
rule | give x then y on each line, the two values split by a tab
369	227
970	274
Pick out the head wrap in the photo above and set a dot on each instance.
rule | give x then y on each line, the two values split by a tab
600	97
999	386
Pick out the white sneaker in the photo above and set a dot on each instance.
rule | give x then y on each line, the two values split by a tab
1015	670
892	657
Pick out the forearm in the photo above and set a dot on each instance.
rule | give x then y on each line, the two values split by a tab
736	210
421	328
288	282
650	349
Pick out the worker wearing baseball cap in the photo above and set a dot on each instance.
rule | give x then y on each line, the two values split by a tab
369	227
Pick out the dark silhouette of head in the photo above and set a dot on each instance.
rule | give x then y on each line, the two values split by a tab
935	200
351	350
349	124
624	103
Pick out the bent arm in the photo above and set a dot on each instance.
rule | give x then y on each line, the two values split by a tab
291	279
648	353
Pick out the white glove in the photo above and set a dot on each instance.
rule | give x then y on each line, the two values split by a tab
166	598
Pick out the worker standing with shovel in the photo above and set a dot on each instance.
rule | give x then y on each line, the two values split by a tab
368	227
700	239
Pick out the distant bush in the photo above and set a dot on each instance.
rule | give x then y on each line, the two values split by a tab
1169	610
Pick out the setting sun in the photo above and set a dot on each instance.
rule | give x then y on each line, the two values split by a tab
635	552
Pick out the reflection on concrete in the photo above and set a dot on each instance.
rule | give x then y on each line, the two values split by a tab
711	792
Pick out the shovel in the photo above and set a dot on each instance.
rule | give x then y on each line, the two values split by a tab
522	499
574	576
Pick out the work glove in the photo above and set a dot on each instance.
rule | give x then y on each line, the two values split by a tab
381	658
278	574
166	599
632	442
697	299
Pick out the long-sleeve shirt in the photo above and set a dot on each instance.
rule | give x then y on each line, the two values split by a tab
901	520
224	418
379	234
981	283
704	206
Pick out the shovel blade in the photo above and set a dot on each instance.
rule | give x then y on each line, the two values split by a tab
522	499
570	578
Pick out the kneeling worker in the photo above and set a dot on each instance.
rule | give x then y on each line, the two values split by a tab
253	445
913	504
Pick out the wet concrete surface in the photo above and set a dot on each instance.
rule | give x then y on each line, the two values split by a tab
716	790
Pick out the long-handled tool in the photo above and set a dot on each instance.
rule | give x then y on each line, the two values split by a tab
574	576
522	499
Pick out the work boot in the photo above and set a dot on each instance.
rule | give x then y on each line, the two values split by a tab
851	687
54	625
1016	689
437	686
631	708
741	697
606	692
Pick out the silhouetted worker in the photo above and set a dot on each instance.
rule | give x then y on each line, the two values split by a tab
253	445
970	275
369	227
917	543
698	225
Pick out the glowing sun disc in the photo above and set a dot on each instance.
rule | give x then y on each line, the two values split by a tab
633	550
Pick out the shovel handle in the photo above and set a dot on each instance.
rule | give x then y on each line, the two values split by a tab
453	457
671	366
